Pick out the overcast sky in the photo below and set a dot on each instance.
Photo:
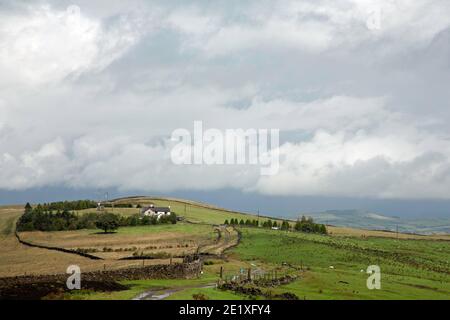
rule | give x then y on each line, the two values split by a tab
90	92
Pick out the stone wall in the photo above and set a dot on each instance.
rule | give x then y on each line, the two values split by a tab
29	244
190	268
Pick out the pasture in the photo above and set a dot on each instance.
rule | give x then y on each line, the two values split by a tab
411	269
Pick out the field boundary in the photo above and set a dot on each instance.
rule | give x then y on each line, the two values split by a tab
190	267
30	244
38	286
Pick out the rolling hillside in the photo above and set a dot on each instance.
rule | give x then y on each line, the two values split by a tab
323	266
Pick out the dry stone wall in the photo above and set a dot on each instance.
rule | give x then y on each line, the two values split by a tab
190	268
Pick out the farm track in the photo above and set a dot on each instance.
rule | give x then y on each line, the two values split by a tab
224	234
226	239
163	293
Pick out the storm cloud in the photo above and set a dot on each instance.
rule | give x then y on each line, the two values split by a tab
91	92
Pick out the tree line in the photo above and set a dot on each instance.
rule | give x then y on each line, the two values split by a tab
303	225
69	205
44	218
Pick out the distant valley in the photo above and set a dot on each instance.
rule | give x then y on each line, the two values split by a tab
371	220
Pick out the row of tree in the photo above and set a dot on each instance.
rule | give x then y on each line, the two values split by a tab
69	205
303	225
83	205
41	218
236	222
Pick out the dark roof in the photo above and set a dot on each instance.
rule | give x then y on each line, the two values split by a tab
157	209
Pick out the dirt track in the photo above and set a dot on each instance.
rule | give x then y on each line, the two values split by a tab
227	237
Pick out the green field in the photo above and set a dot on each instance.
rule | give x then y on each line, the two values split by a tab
411	269
196	213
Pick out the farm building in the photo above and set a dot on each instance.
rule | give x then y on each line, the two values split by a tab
157	212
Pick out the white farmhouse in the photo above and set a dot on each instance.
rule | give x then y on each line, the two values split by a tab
157	212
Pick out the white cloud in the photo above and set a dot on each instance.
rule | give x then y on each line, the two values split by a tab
316	26
48	165
46	45
392	160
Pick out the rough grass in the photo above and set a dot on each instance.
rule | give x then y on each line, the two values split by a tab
411	269
203	214
8	226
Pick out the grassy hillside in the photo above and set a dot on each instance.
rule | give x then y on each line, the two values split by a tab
328	267
411	269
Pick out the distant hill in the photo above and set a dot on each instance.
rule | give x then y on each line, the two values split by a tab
376	221
360	219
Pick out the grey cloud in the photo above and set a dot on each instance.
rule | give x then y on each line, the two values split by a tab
357	108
